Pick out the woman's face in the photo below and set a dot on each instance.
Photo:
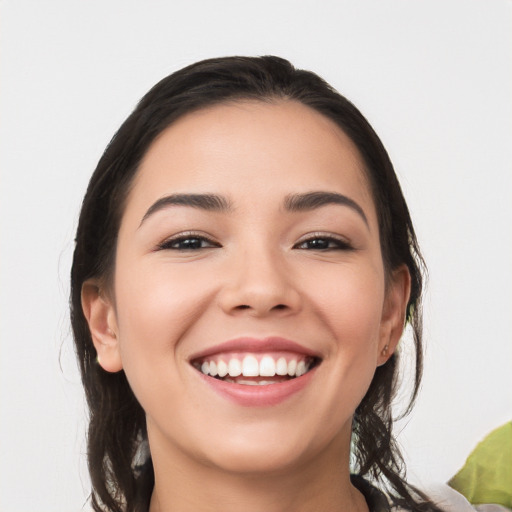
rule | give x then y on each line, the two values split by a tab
250	243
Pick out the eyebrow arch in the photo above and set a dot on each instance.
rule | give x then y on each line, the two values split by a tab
313	200
208	202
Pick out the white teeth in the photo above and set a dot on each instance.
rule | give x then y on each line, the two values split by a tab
267	367
254	382
281	366
234	368
292	367
301	369
250	367
222	368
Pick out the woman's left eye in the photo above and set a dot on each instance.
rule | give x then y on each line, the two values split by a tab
324	243
188	243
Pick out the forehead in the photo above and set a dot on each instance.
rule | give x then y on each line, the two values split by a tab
248	148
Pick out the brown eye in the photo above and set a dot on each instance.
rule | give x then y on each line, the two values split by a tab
188	243
324	243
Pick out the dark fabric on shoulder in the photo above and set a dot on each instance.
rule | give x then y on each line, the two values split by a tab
375	499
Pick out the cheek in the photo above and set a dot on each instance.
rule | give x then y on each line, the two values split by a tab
157	301
155	308
350	300
349	305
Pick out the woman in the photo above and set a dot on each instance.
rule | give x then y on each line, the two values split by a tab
244	266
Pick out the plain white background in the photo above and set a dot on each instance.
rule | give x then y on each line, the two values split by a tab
433	77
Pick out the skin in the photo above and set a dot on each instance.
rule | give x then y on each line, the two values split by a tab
256	276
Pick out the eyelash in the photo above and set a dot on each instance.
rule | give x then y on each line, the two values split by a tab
196	242
336	244
170	243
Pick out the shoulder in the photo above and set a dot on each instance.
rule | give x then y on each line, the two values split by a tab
449	500
446	498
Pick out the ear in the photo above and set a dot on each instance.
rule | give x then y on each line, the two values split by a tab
393	313
100	315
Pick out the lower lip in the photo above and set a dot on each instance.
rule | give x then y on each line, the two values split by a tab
259	396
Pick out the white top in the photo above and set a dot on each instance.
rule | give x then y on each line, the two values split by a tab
449	500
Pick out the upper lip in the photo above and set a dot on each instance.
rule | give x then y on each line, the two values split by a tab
256	345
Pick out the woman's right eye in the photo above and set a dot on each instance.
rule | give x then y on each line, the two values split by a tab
187	243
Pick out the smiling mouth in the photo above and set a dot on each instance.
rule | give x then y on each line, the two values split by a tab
256	369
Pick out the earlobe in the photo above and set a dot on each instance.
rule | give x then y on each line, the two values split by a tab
393	314
100	315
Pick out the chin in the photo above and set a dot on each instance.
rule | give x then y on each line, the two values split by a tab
258	461
277	449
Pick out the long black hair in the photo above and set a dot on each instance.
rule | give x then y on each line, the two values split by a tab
117	429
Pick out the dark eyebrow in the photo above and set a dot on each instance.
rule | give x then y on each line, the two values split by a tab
209	202
313	200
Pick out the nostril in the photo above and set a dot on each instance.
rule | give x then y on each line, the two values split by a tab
277	307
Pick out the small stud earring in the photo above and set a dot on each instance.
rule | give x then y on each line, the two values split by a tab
385	350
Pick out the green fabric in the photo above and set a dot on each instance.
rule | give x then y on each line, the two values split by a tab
487	475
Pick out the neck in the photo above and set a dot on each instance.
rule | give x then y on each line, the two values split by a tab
185	485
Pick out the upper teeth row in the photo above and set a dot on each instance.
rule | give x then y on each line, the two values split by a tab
250	367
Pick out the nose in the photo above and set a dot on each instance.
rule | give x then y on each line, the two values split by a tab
259	284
